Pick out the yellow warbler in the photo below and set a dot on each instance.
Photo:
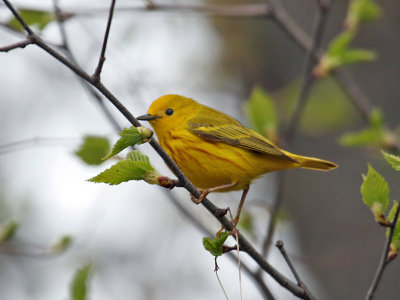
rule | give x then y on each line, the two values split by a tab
216	152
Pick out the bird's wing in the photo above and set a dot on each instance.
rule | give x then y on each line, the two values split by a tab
227	130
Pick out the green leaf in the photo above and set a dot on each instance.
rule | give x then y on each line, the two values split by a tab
339	54
79	285
341	42
353	56
366	137
361	11
93	149
375	193
261	112
393	160
129	137
62	244
8	230
215	246
136	166
37	18
375	135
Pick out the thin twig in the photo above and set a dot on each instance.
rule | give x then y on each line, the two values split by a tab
219	10
385	259
20	44
310	62
279	244
244	244
301	39
102	58
35	141
87	86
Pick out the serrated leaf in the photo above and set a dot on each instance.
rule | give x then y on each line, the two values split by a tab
37	18
215	246
79	285
393	160
8	230
62	244
123	171
129	137
261	112
375	193
93	149
136	155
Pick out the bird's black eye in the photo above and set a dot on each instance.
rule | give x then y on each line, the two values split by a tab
169	111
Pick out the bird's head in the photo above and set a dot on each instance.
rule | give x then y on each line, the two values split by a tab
170	111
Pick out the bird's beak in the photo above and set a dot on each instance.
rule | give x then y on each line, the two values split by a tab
147	117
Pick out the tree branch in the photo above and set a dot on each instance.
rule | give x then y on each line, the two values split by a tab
300	38
21	44
308	75
385	259
244	244
102	58
279	244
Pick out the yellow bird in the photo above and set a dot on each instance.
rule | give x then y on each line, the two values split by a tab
216	152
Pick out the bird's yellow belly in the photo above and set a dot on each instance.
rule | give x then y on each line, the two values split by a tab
211	164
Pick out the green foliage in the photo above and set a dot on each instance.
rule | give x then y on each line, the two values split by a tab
78	289
37	18
376	135
136	166
129	137
261	112
8	230
375	193
93	149
339	54
62	244
393	160
215	247
361	11
328	108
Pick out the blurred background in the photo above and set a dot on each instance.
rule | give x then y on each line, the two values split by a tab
140	246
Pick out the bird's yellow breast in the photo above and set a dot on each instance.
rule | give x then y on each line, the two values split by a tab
210	164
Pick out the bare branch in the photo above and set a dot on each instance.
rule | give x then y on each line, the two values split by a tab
102	58
308	76
279	244
244	244
294	31
385	259
21	44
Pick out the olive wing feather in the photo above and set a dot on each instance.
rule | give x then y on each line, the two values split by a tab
224	129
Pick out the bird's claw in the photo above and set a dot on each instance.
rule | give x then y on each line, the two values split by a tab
204	194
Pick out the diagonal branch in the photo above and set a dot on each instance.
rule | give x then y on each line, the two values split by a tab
245	245
385	259
308	76
300	38
102	58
